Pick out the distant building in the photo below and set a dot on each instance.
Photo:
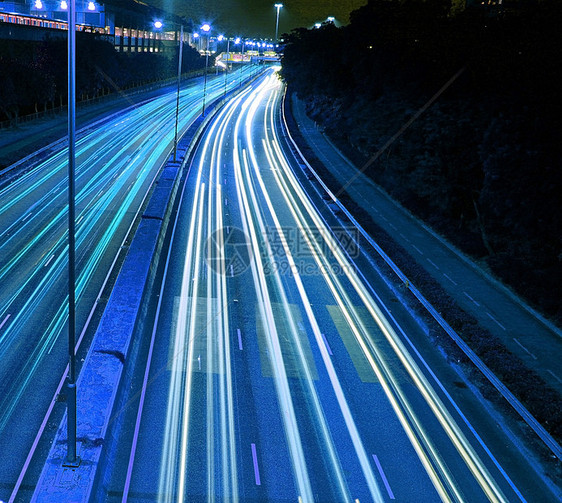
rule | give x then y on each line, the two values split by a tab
128	24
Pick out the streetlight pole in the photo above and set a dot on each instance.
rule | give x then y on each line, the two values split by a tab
278	6
178	93
71	458
226	69
206	29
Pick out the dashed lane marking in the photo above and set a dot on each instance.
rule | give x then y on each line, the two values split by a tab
554	375
383	476
256	467
468	296
49	261
433	264
5	320
450	279
327	345
417	249
496	321
524	348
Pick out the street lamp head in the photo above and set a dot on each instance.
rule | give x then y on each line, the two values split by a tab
196	35
237	40
220	38
317	25
91	6
278	6
63	5
38	4
331	19
206	27
158	24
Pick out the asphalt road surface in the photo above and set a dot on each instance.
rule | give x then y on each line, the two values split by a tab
274	369
117	162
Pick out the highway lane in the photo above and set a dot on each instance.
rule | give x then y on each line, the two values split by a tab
273	372
117	163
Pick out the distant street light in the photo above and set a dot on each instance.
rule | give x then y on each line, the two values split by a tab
158	24
206	29
278	6
91	6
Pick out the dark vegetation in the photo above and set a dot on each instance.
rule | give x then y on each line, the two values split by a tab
34	74
540	399
482	163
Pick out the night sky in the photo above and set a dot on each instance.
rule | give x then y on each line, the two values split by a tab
256	18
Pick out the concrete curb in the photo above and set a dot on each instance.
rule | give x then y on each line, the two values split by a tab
101	377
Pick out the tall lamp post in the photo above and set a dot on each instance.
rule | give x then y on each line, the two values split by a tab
206	29
278	7
158	25
71	458
227	59
178	93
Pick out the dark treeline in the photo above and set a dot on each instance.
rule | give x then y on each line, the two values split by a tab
482	163
34	74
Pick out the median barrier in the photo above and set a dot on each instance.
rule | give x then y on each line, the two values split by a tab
102	387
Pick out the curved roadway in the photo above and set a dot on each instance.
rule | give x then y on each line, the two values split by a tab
274	372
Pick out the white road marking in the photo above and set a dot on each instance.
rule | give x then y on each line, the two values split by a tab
383	476
327	345
417	249
433	264
466	294
49	261
451	280
493	319
524	348
256	467
555	376
5	320
239	339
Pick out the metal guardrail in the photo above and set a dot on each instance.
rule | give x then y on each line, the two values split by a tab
529	419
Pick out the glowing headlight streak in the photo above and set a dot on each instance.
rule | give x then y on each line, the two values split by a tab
481	474
308	382
266	312
51	333
179	398
218	343
41	290
91	148
344	407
